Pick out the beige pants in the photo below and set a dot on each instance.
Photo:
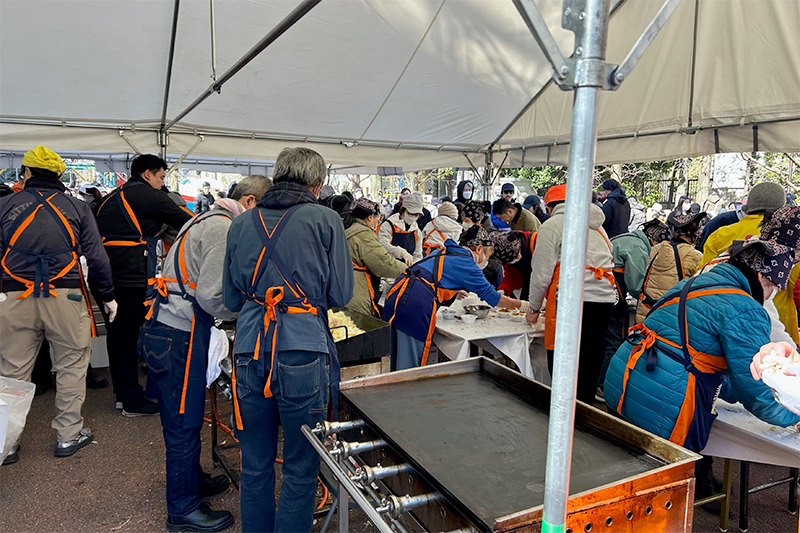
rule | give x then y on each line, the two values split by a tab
67	325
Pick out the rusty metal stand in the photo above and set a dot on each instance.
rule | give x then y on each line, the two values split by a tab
218	450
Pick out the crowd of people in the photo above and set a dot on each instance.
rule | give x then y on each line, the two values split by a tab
275	255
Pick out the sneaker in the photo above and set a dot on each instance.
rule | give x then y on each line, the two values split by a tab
201	519
147	408
118	406
65	449
94	382
12	457
599	395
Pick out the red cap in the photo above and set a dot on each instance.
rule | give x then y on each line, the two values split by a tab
556	193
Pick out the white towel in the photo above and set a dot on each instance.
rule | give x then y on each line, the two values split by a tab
217	351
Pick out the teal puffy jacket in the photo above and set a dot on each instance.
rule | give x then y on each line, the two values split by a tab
729	326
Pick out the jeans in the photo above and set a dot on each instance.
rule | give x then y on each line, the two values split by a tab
300	396
615	336
165	350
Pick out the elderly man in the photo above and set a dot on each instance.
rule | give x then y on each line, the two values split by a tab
130	220
42	234
285	359
250	190
174	341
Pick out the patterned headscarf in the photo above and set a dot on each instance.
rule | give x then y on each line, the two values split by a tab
682	223
507	245
771	259
364	206
656	230
782	226
475	236
474	211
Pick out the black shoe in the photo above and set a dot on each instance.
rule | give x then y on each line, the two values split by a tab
65	449
146	408
212	485
41	388
12	457
201	519
94	382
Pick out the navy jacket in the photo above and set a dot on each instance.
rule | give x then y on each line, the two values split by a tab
723	219
44	235
618	213
313	247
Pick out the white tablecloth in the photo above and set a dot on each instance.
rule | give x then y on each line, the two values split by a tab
737	434
512	339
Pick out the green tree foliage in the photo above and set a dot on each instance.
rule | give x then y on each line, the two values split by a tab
541	178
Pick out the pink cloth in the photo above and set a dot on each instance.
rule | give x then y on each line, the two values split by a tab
229	205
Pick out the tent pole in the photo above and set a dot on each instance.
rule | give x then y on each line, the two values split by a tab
591	29
282	27
162	131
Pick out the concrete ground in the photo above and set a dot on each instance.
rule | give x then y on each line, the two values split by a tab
117	483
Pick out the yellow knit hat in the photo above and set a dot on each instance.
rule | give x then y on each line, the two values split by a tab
41	157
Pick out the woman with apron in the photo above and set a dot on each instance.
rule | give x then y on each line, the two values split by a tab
399	233
413	300
371	261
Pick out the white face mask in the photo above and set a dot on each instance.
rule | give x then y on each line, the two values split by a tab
409	219
467	195
466	225
516	260
771	296
483	264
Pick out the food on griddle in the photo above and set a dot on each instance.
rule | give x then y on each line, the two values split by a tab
340	319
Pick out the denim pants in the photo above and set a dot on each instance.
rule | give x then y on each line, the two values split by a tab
300	396
165	350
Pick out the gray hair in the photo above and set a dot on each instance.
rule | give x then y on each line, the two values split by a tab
299	165
254	184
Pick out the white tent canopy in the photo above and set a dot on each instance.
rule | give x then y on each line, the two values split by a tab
412	83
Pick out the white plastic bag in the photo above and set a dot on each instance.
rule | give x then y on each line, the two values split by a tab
785	385
19	396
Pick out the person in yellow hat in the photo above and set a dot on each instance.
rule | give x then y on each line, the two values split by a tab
42	234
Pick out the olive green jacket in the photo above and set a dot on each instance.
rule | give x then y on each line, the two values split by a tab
365	250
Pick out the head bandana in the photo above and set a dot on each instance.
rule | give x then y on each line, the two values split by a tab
773	260
365	205
475	236
782	227
507	245
45	158
473	211
232	206
656	230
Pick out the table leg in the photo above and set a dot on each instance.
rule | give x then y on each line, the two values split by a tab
344	510
744	494
212	393
727	484
793	474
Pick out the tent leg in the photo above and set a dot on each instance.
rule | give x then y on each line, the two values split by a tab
590	42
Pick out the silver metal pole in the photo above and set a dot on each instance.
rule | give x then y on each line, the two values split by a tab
213	42
590	53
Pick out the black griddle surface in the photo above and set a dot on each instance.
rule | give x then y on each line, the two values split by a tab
485	445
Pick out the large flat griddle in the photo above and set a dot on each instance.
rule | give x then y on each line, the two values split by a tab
485	444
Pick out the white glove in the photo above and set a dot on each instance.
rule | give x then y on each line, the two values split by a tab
524	306
408	258
111	309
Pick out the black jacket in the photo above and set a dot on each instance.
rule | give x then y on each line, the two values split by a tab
45	236
203	202
153	208
618	213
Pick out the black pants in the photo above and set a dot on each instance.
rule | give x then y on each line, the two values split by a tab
121	340
590	361
616	333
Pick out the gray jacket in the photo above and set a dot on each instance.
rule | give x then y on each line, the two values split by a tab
204	255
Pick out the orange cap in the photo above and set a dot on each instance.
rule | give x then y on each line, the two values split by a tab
556	193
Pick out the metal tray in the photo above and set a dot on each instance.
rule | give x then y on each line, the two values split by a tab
477	432
365	347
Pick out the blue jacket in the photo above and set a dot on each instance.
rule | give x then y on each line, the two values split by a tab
723	219
733	326
312	246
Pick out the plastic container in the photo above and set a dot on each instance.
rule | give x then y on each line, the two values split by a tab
468	319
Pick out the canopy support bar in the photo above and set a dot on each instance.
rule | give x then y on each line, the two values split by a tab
200	138
213	42
694	61
168	82
538	27
299	12
122	134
